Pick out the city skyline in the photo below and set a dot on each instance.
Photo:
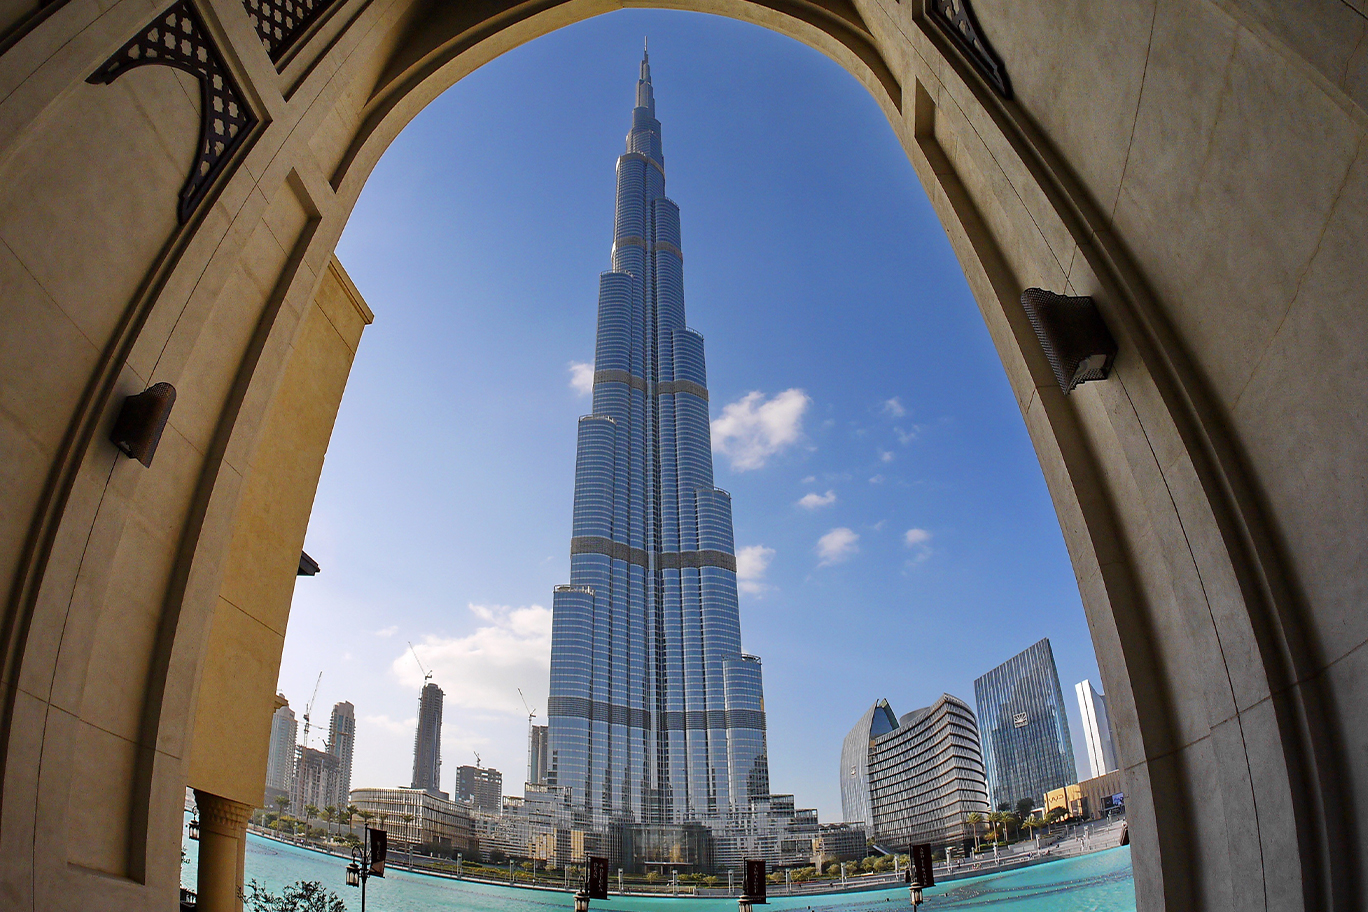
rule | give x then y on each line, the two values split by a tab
880	507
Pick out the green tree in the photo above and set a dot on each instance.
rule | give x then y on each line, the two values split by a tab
366	817
1024	807
304	896
352	811
999	821
310	812
1056	814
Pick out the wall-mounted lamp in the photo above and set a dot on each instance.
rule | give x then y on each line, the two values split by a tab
195	827
1071	331
307	565
141	421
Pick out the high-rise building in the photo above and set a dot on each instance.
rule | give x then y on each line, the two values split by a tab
480	787
341	739
655	714
1097	731
537	752
914	779
315	781
280	757
427	741
1023	728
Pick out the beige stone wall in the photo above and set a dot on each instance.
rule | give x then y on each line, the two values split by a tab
247	632
1199	166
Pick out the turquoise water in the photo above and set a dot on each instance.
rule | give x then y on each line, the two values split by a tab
1100	882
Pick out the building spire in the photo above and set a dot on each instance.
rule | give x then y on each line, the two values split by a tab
645	96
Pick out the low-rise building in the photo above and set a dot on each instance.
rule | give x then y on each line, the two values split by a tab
1090	799
838	842
434	824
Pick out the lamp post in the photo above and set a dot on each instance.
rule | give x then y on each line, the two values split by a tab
368	860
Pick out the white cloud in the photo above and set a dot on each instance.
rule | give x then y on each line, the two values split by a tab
393	726
894	407
752	429
877	479
914	537
906	437
813	500
484	669
811	479
751	563
582	377
837	545
885	456
388	631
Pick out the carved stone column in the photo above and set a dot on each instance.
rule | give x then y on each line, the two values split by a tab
222	847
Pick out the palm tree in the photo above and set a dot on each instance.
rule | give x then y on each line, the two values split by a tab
998	819
974	820
352	811
329	813
310	812
366	817
407	818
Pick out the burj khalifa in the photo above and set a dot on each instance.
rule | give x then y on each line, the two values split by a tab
656	715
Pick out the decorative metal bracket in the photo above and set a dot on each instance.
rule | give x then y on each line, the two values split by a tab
280	22
177	38
956	19
1076	341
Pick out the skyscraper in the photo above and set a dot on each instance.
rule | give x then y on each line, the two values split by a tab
427	741
537	751
1096	729
341	739
655	714
280	757
1023	728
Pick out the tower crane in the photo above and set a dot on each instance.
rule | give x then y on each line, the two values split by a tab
477	759
531	713
308	710
427	675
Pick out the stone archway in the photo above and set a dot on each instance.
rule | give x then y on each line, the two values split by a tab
1199	167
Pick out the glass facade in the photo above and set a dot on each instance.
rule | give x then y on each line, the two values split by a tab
1023	728
927	777
655	714
914	779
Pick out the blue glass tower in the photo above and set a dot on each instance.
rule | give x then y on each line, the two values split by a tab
655	714
1023	728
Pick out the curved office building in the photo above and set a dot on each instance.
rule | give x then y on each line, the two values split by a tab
656	716
923	776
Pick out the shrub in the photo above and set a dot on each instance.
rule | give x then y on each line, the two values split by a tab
304	896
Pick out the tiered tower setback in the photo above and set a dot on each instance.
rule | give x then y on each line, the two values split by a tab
655	714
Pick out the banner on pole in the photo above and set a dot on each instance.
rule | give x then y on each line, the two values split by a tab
755	881
379	841
597	882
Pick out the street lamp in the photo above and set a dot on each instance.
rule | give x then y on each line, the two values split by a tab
368	860
195	827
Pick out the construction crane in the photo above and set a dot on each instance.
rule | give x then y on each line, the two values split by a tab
308	710
427	675
531	713
477	759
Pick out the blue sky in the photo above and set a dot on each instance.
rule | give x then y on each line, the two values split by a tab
896	536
